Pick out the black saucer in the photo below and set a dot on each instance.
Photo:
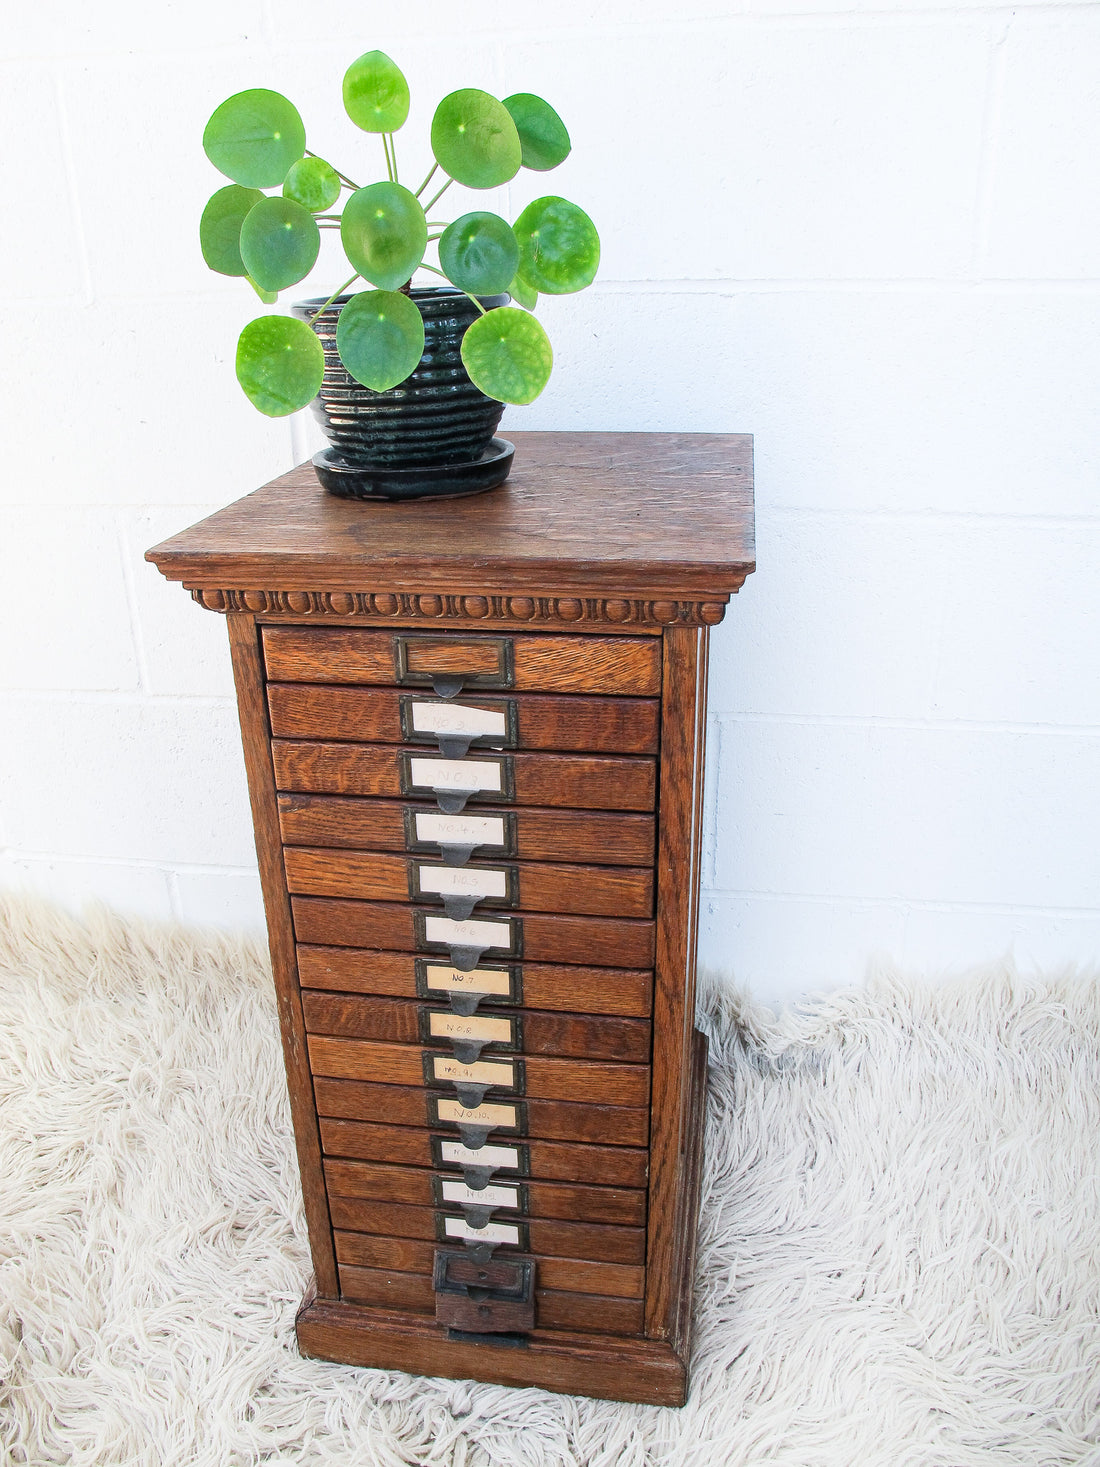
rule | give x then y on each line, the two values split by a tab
361	481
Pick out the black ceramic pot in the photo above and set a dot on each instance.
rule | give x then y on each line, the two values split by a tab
435	417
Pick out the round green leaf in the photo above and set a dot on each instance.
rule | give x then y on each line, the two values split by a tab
376	95
313	183
279	243
220	227
380	338
508	355
542	133
384	233
475	140
254	137
559	249
280	364
479	253
523	292
269	297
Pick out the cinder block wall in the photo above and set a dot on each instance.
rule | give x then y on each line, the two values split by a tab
869	235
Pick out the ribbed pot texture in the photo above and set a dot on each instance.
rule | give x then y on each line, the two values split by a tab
436	416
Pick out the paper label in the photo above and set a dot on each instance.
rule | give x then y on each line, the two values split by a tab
458	1227
490	1156
478	1115
478	980
467	934
460	830
481	1072
454	1026
456	774
487	1197
462	881
452	718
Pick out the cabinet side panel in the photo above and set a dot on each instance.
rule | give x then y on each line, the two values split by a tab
252	707
674	999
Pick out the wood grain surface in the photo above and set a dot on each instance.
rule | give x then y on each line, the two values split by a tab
599	891
553	1310
412	1186
252	710
547	1077
544	985
585	836
601	1365
610	1166
575	781
658	514
415	1255
582	1036
373	716
600	941
600	1242
549	1120
612	666
683	720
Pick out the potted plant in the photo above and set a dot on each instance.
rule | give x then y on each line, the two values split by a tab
409	383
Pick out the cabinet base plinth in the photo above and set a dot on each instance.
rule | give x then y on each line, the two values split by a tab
604	1366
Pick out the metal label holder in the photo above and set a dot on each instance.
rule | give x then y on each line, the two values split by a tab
449	682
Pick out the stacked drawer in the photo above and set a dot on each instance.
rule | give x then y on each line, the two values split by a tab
469	829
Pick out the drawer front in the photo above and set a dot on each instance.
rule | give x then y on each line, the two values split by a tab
469	835
415	1255
501	1030
409	1145
542	938
539	1077
416	1187
572	781
389	716
502	1119
542	986
588	837
618	666
587	1313
600	1242
534	886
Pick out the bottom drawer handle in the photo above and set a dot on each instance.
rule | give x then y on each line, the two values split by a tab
478	1297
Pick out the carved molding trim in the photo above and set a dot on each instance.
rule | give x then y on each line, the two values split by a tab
561	611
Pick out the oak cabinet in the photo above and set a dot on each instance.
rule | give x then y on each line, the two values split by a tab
474	735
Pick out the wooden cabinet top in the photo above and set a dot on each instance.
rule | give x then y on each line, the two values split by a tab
664	516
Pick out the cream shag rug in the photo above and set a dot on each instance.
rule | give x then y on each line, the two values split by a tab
900	1254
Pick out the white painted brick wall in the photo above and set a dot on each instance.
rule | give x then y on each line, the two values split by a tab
869	234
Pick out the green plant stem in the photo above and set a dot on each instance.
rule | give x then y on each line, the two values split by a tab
333	296
386	150
393	156
441	192
427	181
342	176
434	271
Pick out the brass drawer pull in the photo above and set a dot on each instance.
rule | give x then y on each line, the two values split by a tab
455	727
480	1164
461	890
466	942
467	988
457	837
455	781
470	1034
474	1298
448	664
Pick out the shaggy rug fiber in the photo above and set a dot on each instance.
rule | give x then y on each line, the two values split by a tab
899	1262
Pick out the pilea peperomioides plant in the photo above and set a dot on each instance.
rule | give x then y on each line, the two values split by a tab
257	139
